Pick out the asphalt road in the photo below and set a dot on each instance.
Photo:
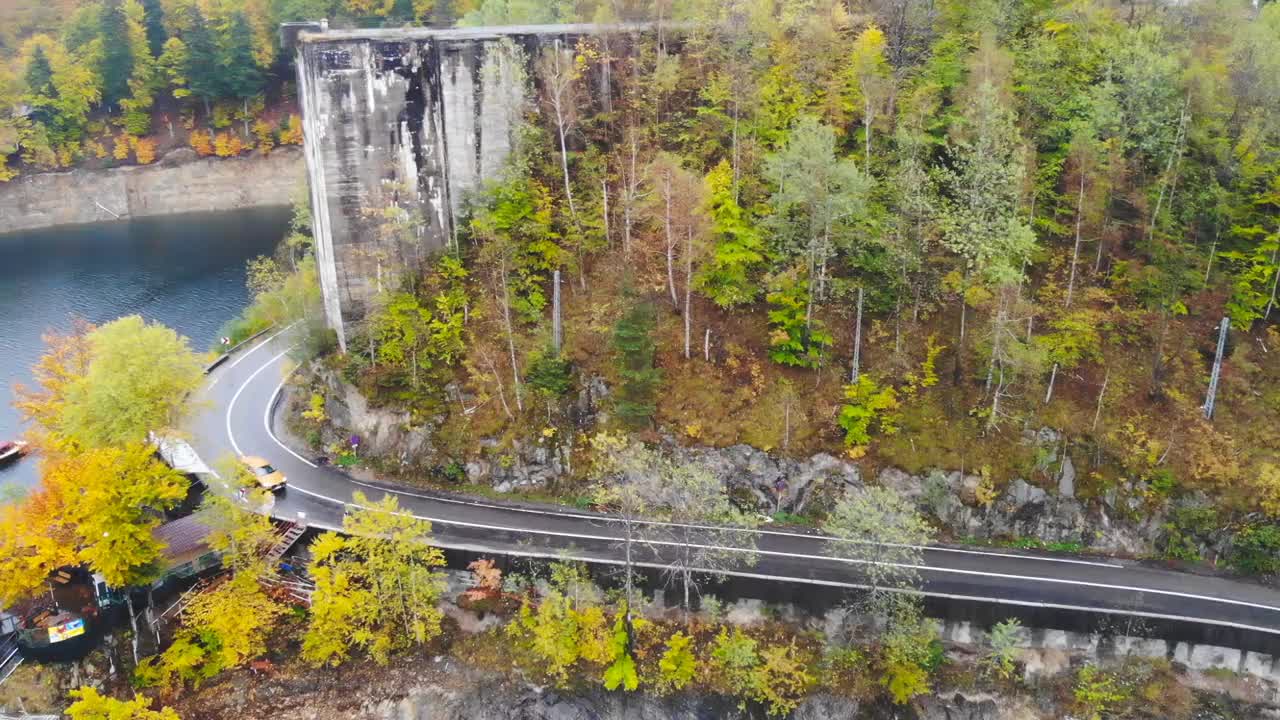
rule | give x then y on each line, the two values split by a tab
237	416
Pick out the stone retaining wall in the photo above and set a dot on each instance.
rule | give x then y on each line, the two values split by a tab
178	183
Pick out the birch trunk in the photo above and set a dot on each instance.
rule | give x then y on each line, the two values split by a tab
1097	413
867	118
1053	375
1075	253
1213	248
671	242
688	292
564	162
857	342
511	335
1275	283
604	193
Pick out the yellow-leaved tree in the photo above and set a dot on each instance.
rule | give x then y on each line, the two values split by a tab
377	586
32	545
109	497
98	391
95	506
138	379
91	705
228	625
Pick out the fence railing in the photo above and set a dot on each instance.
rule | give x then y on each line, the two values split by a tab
10	658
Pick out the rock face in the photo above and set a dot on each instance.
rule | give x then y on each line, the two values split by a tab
958	707
776	483
179	183
385	432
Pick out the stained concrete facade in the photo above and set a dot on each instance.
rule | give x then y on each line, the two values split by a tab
401	126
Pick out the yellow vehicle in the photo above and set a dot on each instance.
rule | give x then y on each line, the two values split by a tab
266	476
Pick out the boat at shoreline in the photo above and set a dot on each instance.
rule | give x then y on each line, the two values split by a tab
12	450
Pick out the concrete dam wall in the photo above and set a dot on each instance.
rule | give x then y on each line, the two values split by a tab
401	127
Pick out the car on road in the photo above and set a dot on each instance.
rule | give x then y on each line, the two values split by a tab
263	473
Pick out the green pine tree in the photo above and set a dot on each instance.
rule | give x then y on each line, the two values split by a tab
117	55
154	19
201	68
39	74
239	73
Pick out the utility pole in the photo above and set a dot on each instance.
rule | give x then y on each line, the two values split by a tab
1217	369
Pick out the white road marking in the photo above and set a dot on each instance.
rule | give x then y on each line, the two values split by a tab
803	556
249	352
582	536
231	405
656	523
266	423
470	547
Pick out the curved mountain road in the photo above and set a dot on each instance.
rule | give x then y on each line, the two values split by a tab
237	416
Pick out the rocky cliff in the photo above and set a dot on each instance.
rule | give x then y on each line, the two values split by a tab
178	183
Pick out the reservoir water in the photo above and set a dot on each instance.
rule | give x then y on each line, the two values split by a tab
186	271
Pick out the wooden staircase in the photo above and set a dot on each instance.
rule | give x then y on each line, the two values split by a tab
285	539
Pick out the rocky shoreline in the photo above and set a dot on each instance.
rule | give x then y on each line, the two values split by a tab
180	182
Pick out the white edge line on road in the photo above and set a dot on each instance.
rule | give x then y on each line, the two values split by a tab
470	547
657	523
266	423
826	558
249	352
231	405
805	556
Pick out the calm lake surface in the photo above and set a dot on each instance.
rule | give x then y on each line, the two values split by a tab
186	271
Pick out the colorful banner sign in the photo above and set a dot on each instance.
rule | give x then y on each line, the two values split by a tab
66	631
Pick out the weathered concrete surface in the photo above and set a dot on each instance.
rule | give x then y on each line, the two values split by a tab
178	183
401	127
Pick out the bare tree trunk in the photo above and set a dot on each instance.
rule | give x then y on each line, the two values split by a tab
604	190
857	342
1097	413
511	335
1157	357
564	163
1052	377
735	150
557	329
997	342
688	292
1275	282
1174	155
632	184
1213	248
560	85
867	119
1075	253
706	346
497	378
808	310
671	241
